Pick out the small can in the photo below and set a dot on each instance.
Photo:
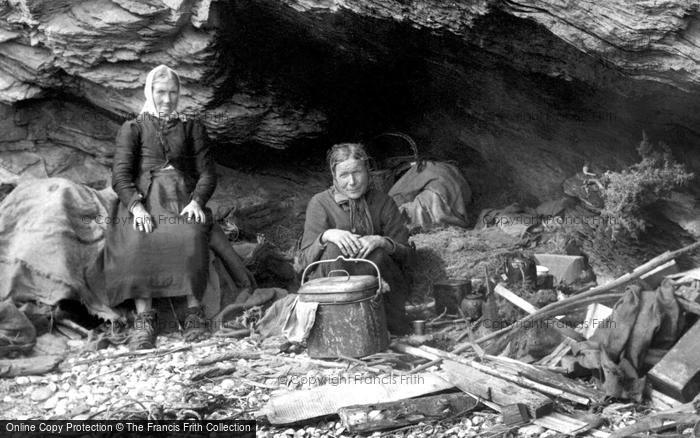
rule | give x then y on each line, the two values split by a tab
419	327
472	306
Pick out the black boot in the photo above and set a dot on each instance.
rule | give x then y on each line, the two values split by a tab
196	326
143	335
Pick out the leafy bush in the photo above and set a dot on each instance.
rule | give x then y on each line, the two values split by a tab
628	192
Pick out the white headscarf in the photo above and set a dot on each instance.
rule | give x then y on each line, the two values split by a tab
150	106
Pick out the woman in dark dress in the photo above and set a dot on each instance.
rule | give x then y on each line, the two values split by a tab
158	243
354	220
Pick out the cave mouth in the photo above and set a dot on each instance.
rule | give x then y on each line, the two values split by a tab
515	107
509	110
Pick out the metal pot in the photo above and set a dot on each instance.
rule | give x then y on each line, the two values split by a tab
350	319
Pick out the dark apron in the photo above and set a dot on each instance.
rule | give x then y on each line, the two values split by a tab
171	261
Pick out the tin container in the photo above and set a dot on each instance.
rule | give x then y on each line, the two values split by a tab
418	327
449	294
472	306
350	319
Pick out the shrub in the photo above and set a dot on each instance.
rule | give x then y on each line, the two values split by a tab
628	192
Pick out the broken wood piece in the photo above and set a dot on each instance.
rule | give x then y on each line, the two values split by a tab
126	354
515	414
554	360
258	384
678	373
360	390
231	355
654	277
305	360
662	402
226	332
495	389
508	372
446	322
28	366
530	309
68	332
656	423
210	373
548	359
526	375
568	425
551	378
515	299
74	326
524	382
368	418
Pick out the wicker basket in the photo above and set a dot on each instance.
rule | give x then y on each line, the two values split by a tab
383	179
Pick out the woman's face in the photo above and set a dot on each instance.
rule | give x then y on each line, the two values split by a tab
351	178
165	94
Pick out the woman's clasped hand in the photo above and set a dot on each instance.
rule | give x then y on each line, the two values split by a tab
354	245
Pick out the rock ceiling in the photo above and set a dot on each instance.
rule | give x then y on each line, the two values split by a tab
281	73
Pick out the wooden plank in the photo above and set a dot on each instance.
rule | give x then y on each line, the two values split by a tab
28	366
552	379
509	371
530	309
654	277
553	358
556	384
515	299
494	389
515	414
651	424
662	402
352	390
74	326
567	425
379	416
528	383
678	373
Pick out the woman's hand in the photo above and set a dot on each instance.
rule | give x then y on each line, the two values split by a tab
142	220
193	210
348	242
370	243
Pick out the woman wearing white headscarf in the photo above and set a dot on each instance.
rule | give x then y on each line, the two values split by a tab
158	243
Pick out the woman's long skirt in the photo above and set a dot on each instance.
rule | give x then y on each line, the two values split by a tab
172	260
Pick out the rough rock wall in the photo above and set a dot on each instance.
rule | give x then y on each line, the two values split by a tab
655	40
101	50
520	94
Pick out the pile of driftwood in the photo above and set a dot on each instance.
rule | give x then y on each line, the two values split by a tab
522	393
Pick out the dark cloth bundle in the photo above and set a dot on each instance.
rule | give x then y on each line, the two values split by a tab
640	320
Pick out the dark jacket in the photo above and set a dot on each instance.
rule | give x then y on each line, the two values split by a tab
146	143
324	213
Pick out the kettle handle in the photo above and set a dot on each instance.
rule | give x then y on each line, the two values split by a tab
379	274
